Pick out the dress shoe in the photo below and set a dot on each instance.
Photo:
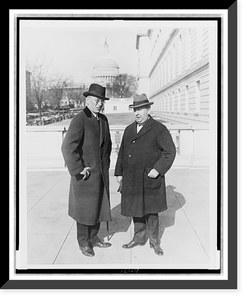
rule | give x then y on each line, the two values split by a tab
102	244
87	251
132	244
157	249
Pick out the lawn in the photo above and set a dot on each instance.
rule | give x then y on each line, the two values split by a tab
120	118
123	119
113	118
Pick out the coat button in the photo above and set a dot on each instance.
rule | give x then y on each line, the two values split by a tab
130	155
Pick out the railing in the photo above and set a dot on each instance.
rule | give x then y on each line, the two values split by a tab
43	145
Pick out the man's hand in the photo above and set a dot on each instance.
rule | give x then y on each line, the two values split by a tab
119	179
86	173
153	173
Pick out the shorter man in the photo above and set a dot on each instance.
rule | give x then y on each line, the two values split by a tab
146	154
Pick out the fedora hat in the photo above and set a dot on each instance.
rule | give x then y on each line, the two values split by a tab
96	90
140	101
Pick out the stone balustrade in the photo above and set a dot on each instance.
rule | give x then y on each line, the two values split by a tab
43	145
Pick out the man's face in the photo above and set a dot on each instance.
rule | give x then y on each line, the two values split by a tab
141	114
94	104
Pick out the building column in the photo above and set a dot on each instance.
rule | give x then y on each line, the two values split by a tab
142	46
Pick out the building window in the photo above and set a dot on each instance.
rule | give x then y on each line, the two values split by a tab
173	56
186	108
178	100
173	101
199	43
164	71
180	55
168	102
159	77
197	97
167	70
164	103
162	75
169	67
188	50
170	99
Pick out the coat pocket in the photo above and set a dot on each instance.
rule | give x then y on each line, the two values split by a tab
151	183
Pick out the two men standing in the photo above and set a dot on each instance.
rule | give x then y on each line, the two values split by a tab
146	154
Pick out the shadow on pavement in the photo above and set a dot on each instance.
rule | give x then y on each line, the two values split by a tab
119	223
175	201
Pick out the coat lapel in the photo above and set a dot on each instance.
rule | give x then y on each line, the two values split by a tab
91	119
133	131
147	127
102	129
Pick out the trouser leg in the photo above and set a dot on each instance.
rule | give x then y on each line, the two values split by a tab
82	234
86	234
94	232
153	228
139	229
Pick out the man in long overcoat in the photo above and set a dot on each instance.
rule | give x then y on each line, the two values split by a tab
86	150
146	154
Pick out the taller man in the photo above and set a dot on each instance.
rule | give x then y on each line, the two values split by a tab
86	150
146	154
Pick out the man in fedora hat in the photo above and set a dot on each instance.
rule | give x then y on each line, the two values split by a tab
86	150
146	154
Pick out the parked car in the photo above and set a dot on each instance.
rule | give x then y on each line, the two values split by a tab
32	119
57	117
46	120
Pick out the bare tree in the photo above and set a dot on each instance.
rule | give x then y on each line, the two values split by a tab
29	102
122	84
76	93
38	79
57	88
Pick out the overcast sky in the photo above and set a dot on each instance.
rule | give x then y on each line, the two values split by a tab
71	48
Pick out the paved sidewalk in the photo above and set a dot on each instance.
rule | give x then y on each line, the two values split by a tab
184	227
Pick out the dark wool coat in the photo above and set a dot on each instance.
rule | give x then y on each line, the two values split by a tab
140	152
88	145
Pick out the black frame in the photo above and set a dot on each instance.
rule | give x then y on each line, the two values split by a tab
232	282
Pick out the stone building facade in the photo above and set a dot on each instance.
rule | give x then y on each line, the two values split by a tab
174	72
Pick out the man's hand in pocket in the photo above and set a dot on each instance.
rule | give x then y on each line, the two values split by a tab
153	173
86	173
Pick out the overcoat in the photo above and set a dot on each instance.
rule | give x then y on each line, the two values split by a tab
152	147
88	144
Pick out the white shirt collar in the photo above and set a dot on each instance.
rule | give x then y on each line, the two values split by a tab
140	126
94	114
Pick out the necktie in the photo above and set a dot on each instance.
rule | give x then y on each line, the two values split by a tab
139	127
98	121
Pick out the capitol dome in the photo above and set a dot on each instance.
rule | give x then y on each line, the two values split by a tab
106	68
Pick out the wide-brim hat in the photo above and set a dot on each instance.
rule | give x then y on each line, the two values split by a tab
140	101
96	90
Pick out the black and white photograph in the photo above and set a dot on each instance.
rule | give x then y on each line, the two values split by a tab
120	145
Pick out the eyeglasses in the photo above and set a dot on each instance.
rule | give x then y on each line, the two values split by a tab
97	100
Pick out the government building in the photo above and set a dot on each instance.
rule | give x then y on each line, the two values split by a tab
105	71
106	68
174	72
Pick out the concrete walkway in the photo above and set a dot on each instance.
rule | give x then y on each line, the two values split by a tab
184	227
